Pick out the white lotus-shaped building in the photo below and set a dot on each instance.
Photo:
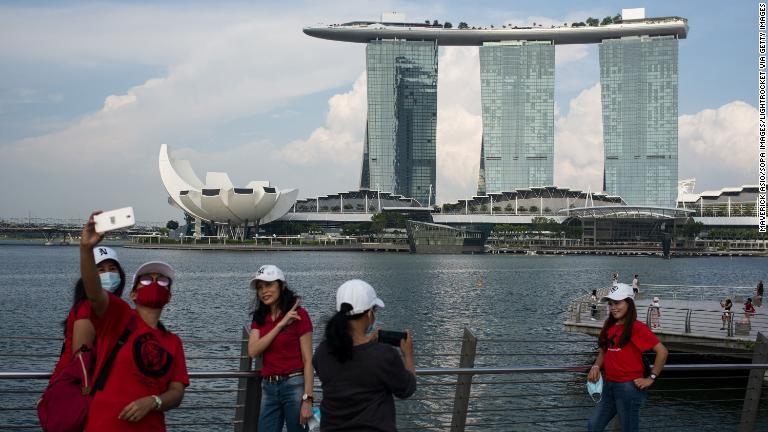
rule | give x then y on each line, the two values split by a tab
217	200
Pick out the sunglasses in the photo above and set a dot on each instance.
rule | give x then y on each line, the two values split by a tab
161	280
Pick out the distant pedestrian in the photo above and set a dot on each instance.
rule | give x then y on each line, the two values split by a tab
655	312
615	278
593	299
749	310
622	342
636	285
727	316
759	294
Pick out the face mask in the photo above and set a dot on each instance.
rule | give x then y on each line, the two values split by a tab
595	389
371	328
110	281
152	296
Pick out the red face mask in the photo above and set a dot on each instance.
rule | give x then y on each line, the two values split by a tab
153	295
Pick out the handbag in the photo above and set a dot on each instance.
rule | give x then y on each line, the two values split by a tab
63	406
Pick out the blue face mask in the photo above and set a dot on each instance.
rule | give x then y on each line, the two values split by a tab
595	389
110	281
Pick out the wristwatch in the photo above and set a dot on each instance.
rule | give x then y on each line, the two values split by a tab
652	376
306	397
158	402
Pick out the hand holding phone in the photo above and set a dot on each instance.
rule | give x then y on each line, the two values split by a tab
114	219
392	337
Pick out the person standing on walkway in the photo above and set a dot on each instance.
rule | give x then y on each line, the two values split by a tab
749	310
759	294
635	285
621	343
615	278
594	301
148	370
727	316
359	376
281	332
655	313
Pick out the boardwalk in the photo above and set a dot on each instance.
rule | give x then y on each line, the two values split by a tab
690	318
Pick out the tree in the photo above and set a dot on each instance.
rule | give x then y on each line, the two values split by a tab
578	24
463	25
593	22
617	18
534	209
172	225
426	22
607	20
522	209
347	206
435	23
509	208
447	25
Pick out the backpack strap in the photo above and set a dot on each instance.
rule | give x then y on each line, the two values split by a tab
101	380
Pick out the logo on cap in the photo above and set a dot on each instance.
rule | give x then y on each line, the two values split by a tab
103	251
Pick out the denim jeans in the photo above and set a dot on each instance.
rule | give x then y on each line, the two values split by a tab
621	398
281	404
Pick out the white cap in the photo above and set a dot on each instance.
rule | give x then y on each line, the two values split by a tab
101	253
154	267
359	294
619	291
267	273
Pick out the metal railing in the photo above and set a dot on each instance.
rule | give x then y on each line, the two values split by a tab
478	394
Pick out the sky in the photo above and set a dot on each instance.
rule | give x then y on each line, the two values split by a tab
90	90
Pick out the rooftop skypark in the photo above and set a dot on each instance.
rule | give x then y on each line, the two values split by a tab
365	31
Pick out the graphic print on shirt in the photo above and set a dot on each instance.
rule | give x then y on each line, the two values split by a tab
613	344
150	357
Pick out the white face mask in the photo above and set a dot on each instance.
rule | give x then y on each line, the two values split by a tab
110	281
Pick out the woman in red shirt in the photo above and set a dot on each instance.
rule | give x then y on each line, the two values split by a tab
281	332
149	373
621	344
78	328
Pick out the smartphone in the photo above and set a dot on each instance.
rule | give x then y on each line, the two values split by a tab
114	219
392	337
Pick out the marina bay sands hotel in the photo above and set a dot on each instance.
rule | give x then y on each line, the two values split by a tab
639	92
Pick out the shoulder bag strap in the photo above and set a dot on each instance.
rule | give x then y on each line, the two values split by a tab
104	374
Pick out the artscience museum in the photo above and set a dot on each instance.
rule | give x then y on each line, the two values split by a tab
218	202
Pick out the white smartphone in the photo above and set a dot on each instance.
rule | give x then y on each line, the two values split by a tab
114	219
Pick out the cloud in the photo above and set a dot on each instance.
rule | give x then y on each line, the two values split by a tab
340	140
579	143
718	147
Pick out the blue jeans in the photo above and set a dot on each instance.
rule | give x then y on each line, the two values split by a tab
281	404
622	398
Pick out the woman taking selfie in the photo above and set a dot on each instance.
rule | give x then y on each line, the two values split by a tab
359	376
281	332
621	343
146	372
78	328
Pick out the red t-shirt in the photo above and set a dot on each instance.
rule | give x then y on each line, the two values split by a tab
623	364
283	355
144	366
81	310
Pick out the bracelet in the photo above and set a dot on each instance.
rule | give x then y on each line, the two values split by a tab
595	366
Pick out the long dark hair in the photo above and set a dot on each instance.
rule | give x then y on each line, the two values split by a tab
285	302
78	293
337	333
629	322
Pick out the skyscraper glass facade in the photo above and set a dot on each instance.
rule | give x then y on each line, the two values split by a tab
639	83
399	154
517	84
